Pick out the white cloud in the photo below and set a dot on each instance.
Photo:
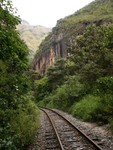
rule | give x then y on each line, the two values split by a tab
47	12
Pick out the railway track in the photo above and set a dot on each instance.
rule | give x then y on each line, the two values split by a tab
61	134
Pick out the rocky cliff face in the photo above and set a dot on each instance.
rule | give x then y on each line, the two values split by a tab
53	49
46	60
59	42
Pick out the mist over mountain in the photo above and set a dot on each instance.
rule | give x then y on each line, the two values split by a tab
32	35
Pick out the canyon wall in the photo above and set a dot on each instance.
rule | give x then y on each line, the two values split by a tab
59	43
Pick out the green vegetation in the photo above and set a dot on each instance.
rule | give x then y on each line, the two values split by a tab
98	12
85	107
82	84
18	112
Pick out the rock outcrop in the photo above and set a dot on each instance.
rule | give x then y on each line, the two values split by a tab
58	44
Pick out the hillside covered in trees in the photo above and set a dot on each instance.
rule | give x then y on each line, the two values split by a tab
73	71
99	12
80	81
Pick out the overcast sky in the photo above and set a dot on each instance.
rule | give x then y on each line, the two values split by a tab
47	12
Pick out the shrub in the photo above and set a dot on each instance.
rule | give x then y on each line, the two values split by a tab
20	125
104	111
64	96
85	107
105	85
41	88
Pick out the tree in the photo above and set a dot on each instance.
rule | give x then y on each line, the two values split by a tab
93	52
14	102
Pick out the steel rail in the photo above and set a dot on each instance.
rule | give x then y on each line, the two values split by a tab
89	139
58	138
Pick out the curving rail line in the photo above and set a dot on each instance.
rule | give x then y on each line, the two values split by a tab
57	136
97	147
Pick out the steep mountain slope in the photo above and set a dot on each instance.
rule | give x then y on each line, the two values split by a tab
32	35
58	43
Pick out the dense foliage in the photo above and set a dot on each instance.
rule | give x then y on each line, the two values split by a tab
82	84
18	113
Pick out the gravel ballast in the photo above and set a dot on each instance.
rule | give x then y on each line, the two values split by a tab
100	133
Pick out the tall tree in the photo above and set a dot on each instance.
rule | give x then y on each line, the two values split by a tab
15	108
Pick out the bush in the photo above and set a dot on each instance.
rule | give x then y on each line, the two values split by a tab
85	107
104	89
64	96
21	125
51	104
104	111
105	85
41	88
60	98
